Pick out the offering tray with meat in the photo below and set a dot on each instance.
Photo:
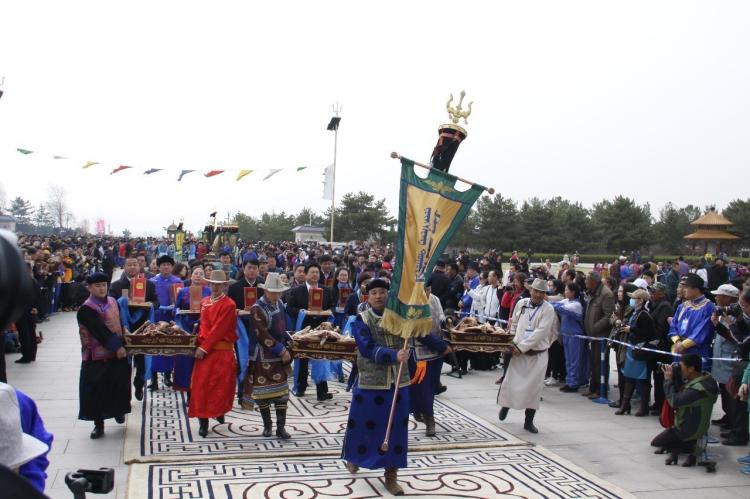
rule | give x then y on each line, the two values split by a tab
324	342
162	338
470	336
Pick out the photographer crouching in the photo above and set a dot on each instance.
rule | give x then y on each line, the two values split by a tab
691	393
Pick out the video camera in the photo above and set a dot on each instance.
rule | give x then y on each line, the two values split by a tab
733	310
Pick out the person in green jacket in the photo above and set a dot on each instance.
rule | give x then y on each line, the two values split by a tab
692	404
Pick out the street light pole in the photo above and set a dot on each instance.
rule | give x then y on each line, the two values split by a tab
334	125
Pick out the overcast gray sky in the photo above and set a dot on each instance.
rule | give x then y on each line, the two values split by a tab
584	100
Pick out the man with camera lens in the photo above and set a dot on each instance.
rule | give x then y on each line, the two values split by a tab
691	393
732	321
661	310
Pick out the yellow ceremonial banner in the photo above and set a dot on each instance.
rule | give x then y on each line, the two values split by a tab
430	211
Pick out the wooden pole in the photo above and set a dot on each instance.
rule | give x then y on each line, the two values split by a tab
384	446
491	190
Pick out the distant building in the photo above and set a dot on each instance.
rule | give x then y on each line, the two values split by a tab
304	233
712	233
8	222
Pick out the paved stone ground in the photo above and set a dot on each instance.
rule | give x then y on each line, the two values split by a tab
612	447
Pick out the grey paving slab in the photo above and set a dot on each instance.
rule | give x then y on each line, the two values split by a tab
589	435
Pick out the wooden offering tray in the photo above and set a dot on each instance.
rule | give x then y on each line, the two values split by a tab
162	338
142	304
318	312
325	342
188	312
469	336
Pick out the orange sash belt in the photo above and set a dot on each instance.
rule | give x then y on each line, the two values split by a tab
223	345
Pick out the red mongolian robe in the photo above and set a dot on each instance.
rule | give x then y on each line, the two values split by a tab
214	383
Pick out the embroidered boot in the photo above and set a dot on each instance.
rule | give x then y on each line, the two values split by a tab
281	422
265	413
429	422
391	482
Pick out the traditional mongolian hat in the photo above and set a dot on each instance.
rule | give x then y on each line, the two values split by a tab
218	277
273	283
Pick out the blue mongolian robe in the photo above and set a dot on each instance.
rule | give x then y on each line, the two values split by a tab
266	378
372	397
165	312
692	325
183	364
576	349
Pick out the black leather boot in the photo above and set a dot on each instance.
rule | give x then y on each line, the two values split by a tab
322	390
154	382
645	397
203	427
98	431
528	423
265	413
625	401
281	423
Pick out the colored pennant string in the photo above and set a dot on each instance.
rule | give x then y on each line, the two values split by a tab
272	173
243	173
213	173
89	164
119	169
24	151
183	173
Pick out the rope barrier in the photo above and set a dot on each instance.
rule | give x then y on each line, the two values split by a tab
645	349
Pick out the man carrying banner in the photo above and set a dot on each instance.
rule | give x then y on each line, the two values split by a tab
266	379
378	356
213	385
534	326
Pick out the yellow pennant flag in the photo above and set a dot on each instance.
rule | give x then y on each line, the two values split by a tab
243	173
90	164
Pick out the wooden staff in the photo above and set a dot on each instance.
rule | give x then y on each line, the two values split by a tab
384	446
396	155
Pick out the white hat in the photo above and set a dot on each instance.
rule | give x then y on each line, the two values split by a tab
273	283
641	283
539	285
16	447
726	290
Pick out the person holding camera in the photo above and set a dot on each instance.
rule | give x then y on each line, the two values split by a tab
732	320
725	296
691	394
639	330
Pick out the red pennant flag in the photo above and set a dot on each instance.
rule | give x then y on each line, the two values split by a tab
119	169
213	173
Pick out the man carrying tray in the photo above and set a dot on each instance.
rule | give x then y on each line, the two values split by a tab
266	379
104	387
135	316
212	387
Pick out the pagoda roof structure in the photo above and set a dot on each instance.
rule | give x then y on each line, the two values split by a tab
712	227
